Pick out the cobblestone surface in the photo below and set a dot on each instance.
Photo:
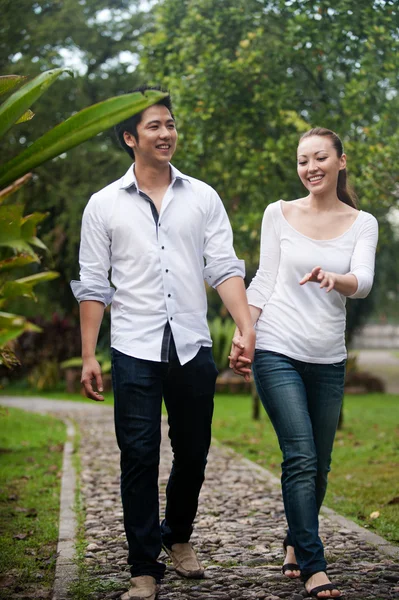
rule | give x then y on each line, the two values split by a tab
238	531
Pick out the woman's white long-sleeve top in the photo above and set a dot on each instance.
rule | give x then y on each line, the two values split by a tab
304	322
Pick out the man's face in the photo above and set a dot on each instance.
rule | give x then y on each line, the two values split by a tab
157	136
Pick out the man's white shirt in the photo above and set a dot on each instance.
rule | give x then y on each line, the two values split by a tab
158	265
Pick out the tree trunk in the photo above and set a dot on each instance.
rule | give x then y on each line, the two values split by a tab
255	402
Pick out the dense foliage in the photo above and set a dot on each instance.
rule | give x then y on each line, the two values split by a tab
246	76
249	76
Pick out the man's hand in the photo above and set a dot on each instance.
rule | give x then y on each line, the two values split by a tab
91	372
242	353
326	279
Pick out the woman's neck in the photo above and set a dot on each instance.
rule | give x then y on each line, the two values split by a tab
323	202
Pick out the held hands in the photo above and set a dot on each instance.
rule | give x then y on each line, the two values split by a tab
242	353
326	279
91	372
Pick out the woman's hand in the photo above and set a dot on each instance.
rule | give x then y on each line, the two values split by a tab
241	364
326	279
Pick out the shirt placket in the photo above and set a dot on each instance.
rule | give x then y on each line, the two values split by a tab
167	333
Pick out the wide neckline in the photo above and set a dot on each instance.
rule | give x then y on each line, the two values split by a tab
313	239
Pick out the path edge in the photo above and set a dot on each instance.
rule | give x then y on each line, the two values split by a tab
66	569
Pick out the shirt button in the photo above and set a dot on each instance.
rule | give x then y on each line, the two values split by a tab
163	247
166	270
168	295
171	318
159	224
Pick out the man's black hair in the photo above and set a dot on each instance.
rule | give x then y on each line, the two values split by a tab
131	123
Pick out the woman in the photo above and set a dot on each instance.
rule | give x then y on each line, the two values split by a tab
315	252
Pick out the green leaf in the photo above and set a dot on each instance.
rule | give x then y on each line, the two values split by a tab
8	82
76	361
10	223
34	241
28	224
77	129
6	335
27	116
9	333
21	247
10	320
15	261
24	286
12	289
17	104
38	277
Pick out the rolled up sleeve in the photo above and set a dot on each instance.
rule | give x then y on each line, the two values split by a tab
363	258
221	260
94	258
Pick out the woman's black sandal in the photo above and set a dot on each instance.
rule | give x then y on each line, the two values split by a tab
314	592
289	566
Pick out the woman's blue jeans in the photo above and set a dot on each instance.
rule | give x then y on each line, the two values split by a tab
303	401
188	392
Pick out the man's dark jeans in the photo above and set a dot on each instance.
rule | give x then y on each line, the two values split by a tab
303	401
188	393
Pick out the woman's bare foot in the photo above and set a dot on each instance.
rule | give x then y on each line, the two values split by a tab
291	560
318	579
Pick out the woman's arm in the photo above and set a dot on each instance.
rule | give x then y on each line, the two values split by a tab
358	282
344	284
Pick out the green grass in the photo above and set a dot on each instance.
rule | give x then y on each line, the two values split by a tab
31	447
23	390
363	479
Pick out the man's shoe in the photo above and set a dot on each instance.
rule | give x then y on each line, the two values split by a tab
185	561
143	587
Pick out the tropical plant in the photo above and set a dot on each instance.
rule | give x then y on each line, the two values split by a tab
222	331
18	239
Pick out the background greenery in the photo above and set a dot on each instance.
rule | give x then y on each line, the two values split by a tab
247	78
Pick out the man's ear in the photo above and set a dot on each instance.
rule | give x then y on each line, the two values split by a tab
129	139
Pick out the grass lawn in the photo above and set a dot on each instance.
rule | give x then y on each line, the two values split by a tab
363	479
31	447
23	390
365	463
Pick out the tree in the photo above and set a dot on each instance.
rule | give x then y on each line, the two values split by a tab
248	76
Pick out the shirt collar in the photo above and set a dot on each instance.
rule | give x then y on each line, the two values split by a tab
129	178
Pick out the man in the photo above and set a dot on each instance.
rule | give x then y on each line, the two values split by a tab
153	228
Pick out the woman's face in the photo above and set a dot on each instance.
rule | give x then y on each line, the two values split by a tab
318	164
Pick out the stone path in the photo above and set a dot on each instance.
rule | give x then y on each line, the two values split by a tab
238	531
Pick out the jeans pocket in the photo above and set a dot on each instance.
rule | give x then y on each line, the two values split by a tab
340	364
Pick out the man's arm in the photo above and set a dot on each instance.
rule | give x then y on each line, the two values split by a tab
91	315
233	295
93	291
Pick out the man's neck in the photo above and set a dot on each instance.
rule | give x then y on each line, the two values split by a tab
150	178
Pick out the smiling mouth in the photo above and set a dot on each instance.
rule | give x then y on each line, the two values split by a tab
315	179
164	147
